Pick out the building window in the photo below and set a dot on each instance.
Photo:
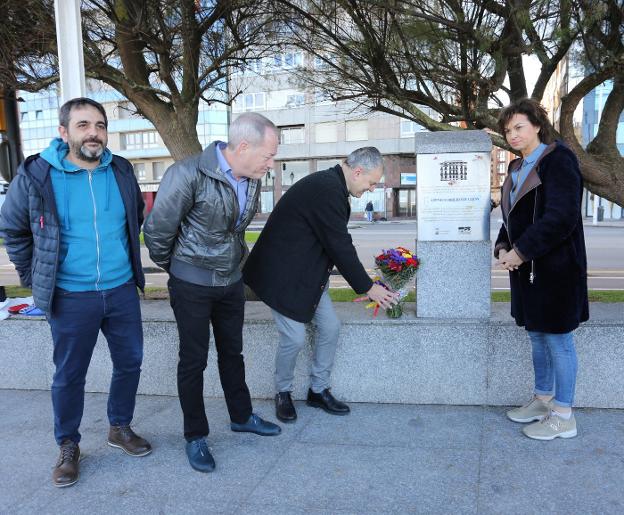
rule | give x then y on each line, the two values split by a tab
356	130
326	132
293	134
255	66
409	128
158	169
295	100
139	140
321	97
293	59
292	171
320	63
253	102
502	168
38	115
266	201
139	171
277	61
324	164
286	60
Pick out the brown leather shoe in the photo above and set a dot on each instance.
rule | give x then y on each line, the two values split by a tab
124	438
66	469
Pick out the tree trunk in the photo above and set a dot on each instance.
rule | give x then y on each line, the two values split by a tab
602	166
176	125
179	136
594	166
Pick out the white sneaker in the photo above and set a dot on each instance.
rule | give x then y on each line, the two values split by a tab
551	427
536	409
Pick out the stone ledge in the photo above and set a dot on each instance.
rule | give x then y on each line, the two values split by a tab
415	361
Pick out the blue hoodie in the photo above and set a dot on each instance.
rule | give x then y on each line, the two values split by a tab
94	250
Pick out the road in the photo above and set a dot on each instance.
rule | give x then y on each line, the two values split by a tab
605	253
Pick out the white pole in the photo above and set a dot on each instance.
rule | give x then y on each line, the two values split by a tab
69	41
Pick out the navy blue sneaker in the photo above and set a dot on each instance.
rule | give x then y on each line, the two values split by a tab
258	426
199	456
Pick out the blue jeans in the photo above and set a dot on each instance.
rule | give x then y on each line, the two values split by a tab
76	320
555	365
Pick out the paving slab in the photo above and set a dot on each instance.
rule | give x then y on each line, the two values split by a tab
382	458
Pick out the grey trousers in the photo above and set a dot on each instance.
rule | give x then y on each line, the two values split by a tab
292	338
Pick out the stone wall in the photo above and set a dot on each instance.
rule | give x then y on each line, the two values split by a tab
410	360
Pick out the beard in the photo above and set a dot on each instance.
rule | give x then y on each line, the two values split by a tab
81	151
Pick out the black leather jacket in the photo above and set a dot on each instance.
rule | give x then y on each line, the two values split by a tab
193	222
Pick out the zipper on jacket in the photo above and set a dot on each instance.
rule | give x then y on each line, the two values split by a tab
532	274
97	236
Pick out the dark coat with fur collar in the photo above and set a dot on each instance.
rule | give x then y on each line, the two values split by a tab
544	226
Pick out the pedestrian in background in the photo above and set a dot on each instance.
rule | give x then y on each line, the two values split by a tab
542	245
369	211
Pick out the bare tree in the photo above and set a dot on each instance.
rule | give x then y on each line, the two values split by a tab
464	61
163	55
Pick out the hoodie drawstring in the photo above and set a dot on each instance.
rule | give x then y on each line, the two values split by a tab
108	172
66	202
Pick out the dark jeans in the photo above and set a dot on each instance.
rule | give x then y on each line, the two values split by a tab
76	321
195	308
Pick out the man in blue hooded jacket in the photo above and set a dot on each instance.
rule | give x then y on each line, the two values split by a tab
71	223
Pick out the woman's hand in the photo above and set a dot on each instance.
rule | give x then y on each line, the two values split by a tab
509	260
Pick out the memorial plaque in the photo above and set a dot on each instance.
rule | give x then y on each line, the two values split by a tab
453	196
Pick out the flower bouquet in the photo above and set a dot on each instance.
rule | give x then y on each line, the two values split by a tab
397	267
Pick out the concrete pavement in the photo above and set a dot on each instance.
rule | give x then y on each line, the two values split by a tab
379	459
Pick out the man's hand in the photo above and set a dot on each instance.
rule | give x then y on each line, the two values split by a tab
509	260
385	298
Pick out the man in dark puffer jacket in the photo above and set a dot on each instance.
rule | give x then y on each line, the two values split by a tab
71	224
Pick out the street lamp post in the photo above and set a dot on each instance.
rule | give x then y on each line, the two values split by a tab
69	43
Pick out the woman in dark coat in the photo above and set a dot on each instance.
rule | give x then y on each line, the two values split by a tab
542	245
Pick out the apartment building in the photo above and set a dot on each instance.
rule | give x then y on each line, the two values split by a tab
316	133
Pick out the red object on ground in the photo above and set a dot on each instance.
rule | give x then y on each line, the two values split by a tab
14	310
